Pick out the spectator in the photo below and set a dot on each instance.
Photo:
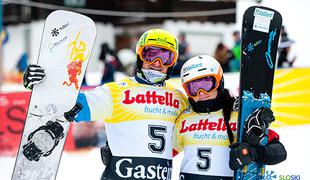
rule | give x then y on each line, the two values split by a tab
183	54
283	32
111	55
183	46
224	56
22	63
110	62
284	50
108	68
128	59
236	50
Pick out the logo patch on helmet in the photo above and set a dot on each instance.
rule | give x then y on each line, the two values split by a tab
192	67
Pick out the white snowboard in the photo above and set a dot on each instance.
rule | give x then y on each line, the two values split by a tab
66	46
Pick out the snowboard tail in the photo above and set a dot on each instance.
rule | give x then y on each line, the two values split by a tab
260	35
66	44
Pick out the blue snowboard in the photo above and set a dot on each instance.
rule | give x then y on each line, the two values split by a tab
260	35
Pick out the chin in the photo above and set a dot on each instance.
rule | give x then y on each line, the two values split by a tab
205	99
202	99
159	70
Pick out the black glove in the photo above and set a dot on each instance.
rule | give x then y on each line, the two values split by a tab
106	154
241	154
70	115
34	74
256	125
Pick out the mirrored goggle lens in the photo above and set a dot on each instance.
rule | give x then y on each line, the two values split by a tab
206	83
150	54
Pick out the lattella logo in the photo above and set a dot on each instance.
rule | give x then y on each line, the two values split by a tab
151	97
140	171
204	125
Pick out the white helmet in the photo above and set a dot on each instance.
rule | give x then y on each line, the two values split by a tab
201	66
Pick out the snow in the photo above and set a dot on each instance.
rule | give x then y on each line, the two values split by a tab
86	164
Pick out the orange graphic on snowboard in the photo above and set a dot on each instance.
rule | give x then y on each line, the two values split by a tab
77	57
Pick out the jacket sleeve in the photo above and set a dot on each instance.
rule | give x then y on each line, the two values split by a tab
274	152
97	104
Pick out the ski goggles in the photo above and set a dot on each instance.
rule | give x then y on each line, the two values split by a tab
150	54
206	84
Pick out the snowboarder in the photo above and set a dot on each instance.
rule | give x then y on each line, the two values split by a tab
206	131
139	112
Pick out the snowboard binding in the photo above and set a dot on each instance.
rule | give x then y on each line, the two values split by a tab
256	125
43	141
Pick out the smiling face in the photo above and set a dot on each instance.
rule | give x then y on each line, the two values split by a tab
157	44
155	66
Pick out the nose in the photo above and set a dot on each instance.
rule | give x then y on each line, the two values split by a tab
157	63
201	93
